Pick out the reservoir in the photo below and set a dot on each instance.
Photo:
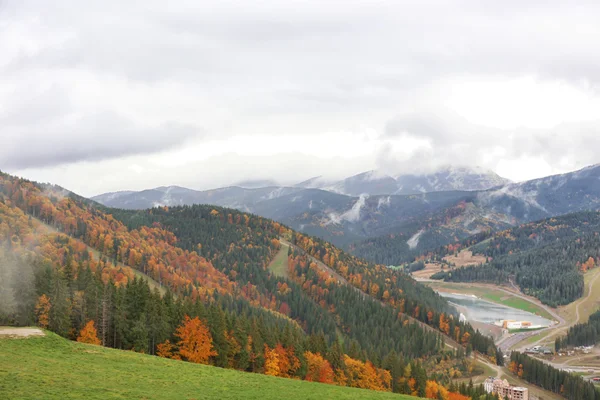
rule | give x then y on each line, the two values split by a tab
476	309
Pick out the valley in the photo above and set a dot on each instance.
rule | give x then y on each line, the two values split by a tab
564	317
279	302
272	301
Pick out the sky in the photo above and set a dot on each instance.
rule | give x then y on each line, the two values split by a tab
111	95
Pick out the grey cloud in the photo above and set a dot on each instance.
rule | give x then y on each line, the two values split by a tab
89	137
273	41
273	67
454	140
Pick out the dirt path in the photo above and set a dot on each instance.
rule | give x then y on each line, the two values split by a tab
557	329
590	291
11	332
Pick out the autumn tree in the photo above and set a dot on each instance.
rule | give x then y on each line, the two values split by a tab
433	390
271	361
166	350
444	325
457	396
318	368
195	341
589	264
88	334
366	376
42	311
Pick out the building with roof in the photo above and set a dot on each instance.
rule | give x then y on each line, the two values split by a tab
505	390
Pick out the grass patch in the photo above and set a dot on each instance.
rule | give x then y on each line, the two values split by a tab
586	305
51	367
279	265
523	330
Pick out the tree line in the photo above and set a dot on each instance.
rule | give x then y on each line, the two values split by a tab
586	334
546	258
534	371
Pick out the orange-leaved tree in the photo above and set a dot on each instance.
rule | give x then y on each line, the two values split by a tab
288	362
318	368
457	396
42	311
433	390
167	350
88	334
195	341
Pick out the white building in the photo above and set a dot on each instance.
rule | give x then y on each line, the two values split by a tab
505	390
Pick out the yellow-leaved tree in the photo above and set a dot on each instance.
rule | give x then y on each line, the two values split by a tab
88	334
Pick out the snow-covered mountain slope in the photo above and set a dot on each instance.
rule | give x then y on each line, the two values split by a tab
445	179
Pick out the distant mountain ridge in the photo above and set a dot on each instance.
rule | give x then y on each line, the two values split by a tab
383	227
250	192
379	183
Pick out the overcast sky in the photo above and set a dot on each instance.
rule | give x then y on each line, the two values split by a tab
111	95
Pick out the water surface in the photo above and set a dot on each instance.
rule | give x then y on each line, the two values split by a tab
476	309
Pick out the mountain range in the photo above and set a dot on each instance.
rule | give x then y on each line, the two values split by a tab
387	227
379	183
246	195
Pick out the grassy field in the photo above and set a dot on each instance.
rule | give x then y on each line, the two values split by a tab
586	305
491	294
279	265
51	367
523	330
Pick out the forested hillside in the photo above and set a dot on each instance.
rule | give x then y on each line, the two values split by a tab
391	287
586	334
546	258
394	229
71	263
445	226
572	387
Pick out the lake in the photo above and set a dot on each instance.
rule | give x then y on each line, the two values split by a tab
476	309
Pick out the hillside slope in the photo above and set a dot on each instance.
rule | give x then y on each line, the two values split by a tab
53	368
545	258
214	265
383	228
